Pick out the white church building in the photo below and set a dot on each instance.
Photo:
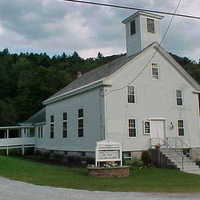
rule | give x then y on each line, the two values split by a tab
141	100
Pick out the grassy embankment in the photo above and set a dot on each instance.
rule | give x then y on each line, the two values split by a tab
146	180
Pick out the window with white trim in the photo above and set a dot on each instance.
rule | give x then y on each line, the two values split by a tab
52	126
180	128
131	94
132	127
80	123
40	132
155	71
146	127
64	124
150	25
132	27
127	155
179	97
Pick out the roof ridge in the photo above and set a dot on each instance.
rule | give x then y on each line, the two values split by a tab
97	69
98	73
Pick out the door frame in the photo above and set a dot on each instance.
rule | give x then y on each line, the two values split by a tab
159	119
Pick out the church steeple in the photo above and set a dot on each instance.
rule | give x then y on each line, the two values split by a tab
142	29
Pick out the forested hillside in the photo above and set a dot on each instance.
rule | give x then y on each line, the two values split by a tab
27	79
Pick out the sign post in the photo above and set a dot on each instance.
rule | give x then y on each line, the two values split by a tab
108	151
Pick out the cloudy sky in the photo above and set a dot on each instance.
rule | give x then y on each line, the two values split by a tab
55	26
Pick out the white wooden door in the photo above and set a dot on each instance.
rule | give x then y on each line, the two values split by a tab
157	131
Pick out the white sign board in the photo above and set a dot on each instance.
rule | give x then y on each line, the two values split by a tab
107	151
108	155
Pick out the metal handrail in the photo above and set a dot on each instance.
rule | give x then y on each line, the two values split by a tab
165	143
170	148
179	143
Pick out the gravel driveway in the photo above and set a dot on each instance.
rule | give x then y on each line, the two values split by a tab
15	190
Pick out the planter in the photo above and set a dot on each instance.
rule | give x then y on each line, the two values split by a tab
109	172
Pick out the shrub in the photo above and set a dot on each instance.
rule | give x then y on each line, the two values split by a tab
197	161
38	153
87	161
2	152
110	164
15	152
146	158
74	161
58	157
29	151
186	152
90	160
134	163
45	155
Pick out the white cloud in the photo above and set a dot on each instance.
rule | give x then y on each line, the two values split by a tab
55	26
1	30
94	51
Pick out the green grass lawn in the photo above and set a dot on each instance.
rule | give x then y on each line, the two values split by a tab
146	180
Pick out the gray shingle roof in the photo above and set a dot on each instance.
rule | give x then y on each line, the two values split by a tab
111	67
38	117
95	75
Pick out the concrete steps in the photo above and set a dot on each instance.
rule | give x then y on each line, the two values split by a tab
180	161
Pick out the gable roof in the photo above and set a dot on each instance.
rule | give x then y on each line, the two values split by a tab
95	75
106	70
178	67
38	117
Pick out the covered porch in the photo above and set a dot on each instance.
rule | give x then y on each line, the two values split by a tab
17	137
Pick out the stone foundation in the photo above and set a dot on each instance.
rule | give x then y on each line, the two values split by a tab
109	172
66	153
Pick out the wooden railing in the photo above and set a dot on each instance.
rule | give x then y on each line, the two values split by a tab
6	142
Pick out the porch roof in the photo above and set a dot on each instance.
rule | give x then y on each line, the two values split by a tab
15	127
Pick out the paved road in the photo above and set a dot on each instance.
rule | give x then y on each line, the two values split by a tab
14	190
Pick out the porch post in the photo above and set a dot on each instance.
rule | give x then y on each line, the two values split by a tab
23	150
22	133
7	133
7	151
